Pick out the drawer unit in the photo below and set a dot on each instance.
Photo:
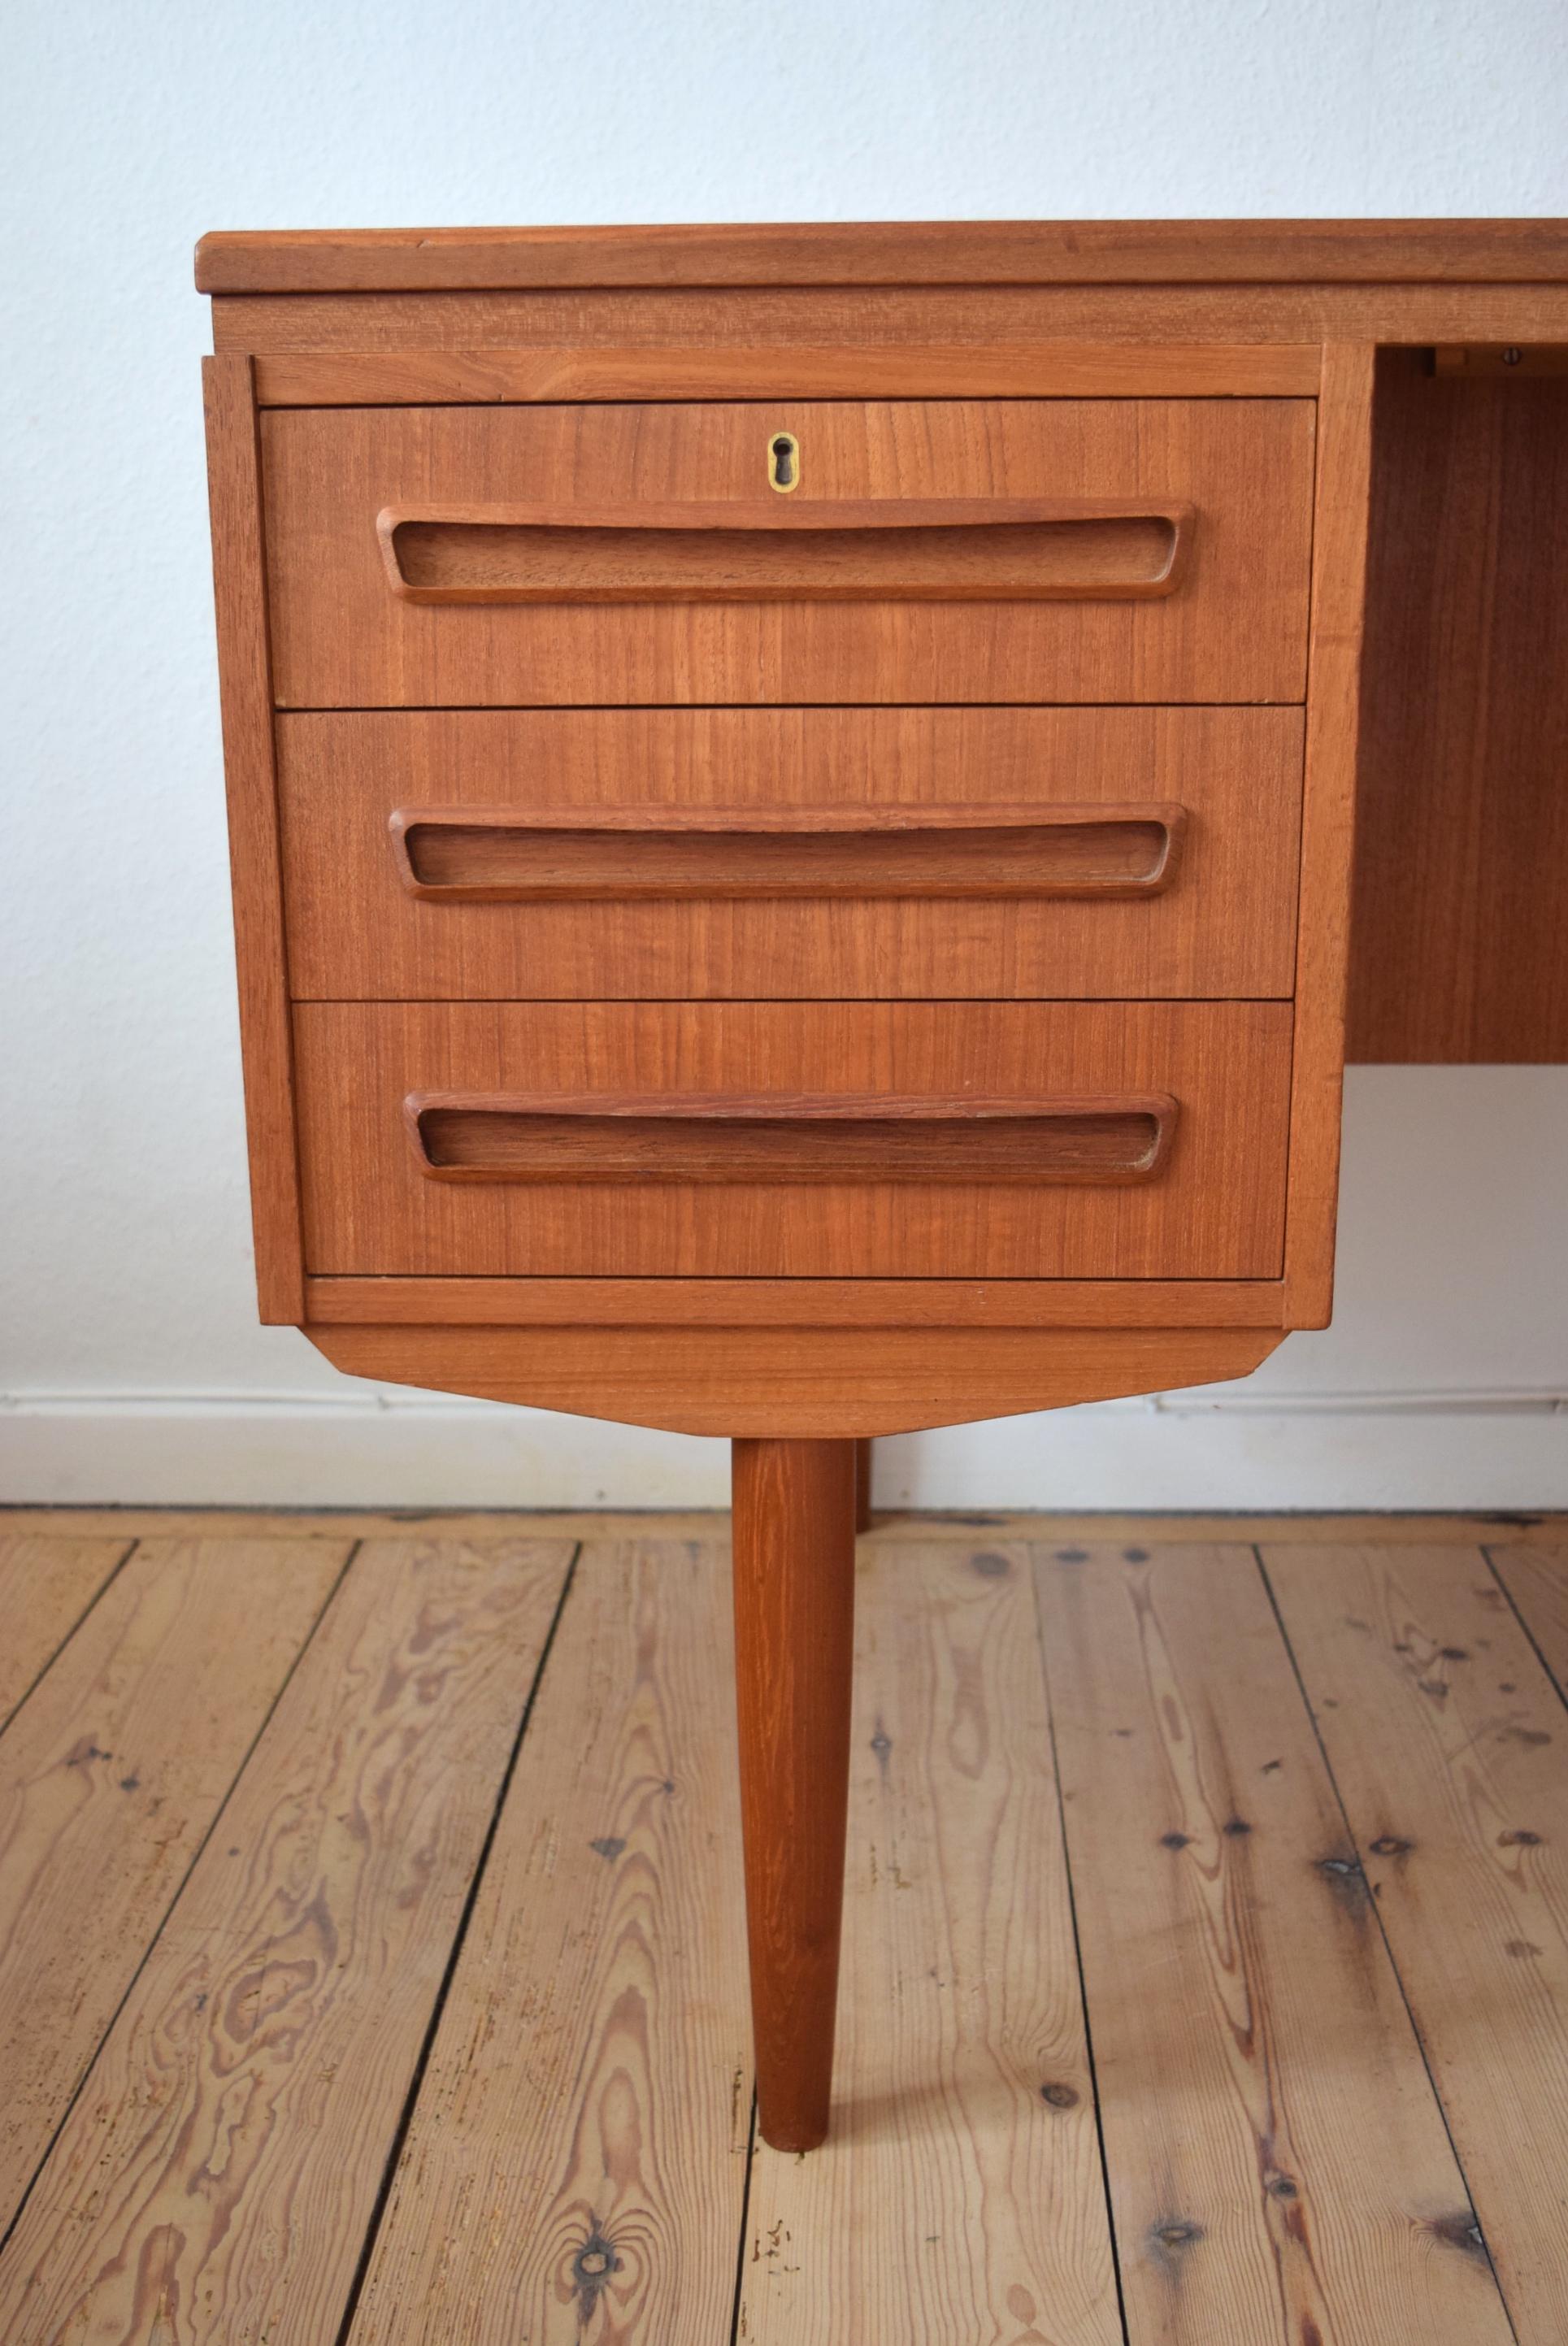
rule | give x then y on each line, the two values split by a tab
791	831
810	1140
909	852
956	550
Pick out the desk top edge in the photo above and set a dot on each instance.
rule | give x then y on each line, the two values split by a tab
885	252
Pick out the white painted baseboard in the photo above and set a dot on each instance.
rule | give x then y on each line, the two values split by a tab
380	1449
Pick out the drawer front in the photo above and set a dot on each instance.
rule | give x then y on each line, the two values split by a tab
683	854
943	1141
986	551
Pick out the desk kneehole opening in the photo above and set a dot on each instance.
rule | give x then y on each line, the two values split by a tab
836	1139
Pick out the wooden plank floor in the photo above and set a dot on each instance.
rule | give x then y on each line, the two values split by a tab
371	1961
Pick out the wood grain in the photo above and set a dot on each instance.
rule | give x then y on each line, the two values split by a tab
796	1302
936	2197
1460	936
46	1587
110	1777
886	252
794	1381
244	2100
882	317
746	549
1328	829
1234	629
1446	1736
959	2194
793	1517
1537	1581
234	490
1223	925
1215	1213
514	854
1506	360
995	369
574	2167
1279	2166
831	1140
1520	1535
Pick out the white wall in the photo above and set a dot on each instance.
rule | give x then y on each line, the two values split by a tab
131	1364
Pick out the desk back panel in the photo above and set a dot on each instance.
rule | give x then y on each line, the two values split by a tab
1460	937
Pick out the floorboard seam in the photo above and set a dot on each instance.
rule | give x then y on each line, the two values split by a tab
745	2221
1039	1642
178	1892
1382	1933
1518	1612
45	1667
448	1970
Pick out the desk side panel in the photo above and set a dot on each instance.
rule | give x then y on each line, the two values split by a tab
244	665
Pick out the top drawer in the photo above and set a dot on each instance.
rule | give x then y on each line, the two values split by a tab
1007	550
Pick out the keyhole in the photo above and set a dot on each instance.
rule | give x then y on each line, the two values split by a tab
783	462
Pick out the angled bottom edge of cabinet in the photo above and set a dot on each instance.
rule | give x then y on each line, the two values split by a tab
783	1383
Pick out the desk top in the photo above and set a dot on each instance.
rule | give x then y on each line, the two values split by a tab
886	252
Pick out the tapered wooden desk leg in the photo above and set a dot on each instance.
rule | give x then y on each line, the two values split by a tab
863	1485
794	1532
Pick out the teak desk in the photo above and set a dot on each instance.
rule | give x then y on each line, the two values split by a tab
791	794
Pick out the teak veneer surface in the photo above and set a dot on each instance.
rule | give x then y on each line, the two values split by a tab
763	1303
805	1382
1042	370
792	1526
1328	829
749	854
887	320
1233	628
886	252
754	1140
1222	925
1214	1210
1462	869
244	662
751	549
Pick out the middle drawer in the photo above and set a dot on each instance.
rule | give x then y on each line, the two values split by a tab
792	853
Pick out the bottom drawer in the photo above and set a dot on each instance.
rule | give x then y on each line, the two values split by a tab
1006	1140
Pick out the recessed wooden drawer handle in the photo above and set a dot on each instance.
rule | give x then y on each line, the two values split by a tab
770	1137
865	549
507	855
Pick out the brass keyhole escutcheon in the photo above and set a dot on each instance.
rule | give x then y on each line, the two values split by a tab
783	462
